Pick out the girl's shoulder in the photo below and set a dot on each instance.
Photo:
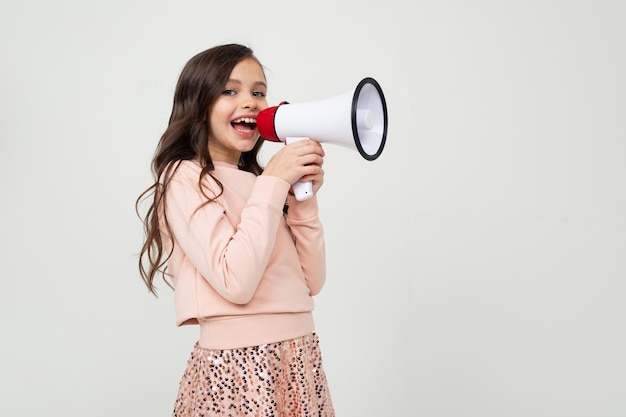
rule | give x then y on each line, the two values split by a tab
186	168
181	170
187	173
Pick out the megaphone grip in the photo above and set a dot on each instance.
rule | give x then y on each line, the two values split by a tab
302	190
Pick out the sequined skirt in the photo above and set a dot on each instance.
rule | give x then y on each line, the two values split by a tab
283	379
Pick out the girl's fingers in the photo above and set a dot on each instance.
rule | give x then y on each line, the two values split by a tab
296	160
305	147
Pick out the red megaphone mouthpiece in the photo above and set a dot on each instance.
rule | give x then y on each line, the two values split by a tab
265	123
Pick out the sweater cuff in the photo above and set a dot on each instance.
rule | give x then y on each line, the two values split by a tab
302	210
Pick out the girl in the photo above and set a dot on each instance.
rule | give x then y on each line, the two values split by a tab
243	255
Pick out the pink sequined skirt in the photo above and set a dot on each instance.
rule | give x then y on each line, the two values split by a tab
283	379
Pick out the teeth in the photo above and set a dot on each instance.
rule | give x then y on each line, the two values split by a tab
245	120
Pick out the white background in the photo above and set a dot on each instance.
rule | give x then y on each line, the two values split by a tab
477	268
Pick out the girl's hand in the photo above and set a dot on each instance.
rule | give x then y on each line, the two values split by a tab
300	160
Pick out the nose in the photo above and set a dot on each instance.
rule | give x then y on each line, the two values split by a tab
248	102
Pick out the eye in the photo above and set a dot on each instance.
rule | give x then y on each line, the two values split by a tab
258	94
229	92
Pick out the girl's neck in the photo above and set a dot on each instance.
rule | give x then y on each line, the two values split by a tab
228	159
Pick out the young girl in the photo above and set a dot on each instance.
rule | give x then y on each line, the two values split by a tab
243	255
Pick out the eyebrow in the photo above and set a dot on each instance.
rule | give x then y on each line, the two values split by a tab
261	83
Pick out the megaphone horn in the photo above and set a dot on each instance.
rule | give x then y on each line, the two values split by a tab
356	120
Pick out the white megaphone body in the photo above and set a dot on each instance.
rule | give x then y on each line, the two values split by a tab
356	120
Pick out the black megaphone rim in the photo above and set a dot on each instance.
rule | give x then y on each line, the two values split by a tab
355	130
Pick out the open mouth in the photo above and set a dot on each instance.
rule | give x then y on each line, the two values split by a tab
244	124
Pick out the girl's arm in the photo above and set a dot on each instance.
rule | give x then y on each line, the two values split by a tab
305	225
231	259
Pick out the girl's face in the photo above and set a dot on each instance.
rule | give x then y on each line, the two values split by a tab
233	115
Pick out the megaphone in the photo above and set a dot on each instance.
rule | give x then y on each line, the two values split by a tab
356	120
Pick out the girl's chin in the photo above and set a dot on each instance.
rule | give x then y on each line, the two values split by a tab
248	146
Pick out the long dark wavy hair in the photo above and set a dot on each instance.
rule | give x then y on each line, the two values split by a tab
201	82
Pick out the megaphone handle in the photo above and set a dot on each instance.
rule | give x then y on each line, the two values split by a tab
302	190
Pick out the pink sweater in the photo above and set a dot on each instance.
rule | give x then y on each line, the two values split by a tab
240	268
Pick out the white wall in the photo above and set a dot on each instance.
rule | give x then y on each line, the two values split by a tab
476	269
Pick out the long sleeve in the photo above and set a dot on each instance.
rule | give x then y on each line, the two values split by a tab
306	227
231	257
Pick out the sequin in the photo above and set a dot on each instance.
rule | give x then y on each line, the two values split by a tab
284	379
